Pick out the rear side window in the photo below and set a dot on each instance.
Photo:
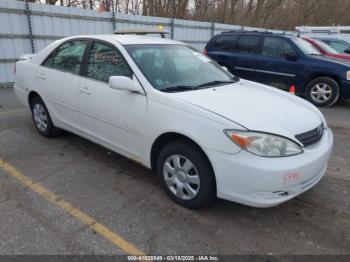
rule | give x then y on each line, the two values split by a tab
67	57
339	46
276	47
248	44
225	42
105	61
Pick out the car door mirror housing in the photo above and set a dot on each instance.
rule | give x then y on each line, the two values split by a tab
291	56
123	83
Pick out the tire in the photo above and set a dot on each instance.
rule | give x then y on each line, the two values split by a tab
323	92
42	120
193	166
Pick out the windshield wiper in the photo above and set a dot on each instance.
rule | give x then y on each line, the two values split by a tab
188	88
216	82
178	88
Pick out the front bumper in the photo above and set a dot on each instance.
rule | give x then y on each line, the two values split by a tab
264	182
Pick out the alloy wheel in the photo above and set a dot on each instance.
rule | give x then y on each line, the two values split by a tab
321	92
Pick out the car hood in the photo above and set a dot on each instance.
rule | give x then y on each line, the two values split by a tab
257	107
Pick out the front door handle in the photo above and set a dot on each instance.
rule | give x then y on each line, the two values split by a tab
42	76
85	90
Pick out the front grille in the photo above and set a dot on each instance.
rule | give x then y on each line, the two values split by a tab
312	136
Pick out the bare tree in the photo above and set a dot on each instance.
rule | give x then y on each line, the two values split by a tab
277	14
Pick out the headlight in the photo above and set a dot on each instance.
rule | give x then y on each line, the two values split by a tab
348	75
263	144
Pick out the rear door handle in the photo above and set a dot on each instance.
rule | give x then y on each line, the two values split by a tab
85	90
42	76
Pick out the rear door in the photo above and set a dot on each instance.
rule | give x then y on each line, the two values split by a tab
272	66
57	80
246	49
222	50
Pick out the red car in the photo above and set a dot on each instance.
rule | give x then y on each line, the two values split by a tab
327	50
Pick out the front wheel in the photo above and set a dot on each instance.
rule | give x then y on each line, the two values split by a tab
323	92
186	175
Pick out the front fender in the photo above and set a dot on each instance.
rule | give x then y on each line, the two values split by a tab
204	131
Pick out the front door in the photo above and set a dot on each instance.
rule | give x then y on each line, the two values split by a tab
114	117
273	68
247	49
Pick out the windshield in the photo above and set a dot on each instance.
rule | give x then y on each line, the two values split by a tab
326	47
305	46
177	67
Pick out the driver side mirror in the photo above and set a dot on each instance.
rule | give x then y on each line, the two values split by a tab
347	51
291	56
124	83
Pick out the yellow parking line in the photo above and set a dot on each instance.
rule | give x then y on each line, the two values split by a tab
75	212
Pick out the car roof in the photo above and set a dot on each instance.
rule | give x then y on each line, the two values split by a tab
130	39
269	34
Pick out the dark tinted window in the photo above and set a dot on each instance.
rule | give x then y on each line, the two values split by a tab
225	42
248	44
68	56
276	47
105	61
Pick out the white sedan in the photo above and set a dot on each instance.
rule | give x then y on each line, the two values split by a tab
205	132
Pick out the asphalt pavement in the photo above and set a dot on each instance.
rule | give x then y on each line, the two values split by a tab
126	199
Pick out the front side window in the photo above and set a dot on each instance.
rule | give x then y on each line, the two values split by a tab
67	57
276	47
105	61
177	67
248	44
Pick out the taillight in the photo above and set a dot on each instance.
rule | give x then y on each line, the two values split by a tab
292	89
205	52
14	69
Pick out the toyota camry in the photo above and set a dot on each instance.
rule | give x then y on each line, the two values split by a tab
205	132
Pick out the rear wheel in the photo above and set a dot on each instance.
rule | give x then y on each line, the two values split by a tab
42	119
186	175
323	91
